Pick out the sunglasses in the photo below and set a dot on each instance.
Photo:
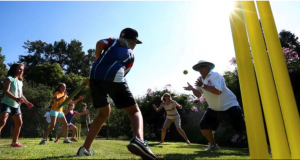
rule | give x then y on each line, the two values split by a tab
202	66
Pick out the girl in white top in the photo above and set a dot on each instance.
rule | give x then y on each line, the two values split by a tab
172	116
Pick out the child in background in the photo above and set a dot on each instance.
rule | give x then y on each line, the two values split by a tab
69	114
12	100
60	95
48	121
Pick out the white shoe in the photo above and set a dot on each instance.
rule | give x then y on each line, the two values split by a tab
67	141
212	147
83	152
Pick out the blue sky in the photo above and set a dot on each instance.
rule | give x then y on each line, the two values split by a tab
175	35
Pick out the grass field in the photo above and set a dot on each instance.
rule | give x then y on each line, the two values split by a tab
114	149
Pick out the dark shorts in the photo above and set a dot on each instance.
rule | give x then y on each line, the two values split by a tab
234	116
118	92
8	109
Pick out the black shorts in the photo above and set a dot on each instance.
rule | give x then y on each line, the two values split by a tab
234	116
118	92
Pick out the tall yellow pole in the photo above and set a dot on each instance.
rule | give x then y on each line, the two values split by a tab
274	121
282	80
251	101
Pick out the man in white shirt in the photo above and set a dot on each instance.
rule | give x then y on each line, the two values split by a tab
222	103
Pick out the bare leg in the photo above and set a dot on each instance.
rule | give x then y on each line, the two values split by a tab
60	135
18	124
65	127
136	119
3	119
181	132
74	130
97	124
163	135
209	136
52	125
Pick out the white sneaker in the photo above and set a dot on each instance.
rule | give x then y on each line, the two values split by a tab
212	147
67	141
83	152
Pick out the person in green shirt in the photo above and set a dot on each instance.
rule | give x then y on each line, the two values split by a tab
84	119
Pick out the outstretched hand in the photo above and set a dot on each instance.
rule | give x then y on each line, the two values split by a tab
154	106
81	97
199	82
29	105
189	87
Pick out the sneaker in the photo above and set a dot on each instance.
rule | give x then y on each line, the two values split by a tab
43	142
140	148
67	141
56	141
84	152
74	139
212	147
17	144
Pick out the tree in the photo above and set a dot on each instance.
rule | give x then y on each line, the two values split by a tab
289	40
46	73
68	55
3	72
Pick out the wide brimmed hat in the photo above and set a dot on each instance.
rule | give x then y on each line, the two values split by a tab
203	63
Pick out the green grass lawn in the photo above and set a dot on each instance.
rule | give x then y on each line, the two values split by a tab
113	149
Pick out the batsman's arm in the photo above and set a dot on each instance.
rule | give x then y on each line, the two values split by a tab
99	48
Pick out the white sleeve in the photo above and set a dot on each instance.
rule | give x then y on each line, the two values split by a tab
218	81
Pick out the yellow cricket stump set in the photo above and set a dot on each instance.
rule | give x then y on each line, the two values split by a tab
78	126
269	73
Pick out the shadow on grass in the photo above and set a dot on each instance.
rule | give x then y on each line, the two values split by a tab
58	157
158	144
202	154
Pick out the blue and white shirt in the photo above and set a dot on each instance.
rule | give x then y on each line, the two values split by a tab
114	63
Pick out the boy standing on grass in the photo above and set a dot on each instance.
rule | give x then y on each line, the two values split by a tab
114	59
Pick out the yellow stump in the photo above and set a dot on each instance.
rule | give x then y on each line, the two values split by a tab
282	80
78	126
274	121
251	101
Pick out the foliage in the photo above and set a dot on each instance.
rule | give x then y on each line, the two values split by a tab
38	94
3	72
45	73
289	40
69	56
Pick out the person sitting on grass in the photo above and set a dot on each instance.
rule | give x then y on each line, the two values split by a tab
69	114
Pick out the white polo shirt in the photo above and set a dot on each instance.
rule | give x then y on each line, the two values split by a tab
216	102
